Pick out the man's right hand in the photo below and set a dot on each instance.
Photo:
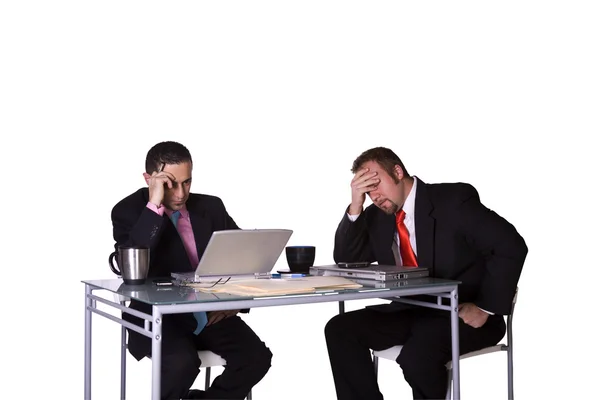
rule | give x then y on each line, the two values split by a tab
156	186
362	183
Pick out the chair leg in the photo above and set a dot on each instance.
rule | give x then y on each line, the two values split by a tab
207	378
509	355
375	364
249	397
449	385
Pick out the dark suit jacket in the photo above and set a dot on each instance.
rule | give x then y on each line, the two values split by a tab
457	238
135	224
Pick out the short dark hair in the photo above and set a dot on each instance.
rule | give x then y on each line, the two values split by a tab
382	156
167	153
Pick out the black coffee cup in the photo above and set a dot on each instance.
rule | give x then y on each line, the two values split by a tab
300	258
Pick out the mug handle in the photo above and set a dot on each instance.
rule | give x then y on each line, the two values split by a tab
112	265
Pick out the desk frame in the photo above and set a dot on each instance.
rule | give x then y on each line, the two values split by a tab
449	290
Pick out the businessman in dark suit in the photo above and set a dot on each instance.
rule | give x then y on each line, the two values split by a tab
176	225
440	226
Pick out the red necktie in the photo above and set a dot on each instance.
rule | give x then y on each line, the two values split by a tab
408	256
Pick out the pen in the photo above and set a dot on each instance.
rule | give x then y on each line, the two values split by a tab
279	276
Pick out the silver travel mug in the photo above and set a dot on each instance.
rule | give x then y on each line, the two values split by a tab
133	263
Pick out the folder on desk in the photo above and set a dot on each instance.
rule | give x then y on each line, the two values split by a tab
262	287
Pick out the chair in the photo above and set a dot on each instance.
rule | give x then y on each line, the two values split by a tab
208	359
393	352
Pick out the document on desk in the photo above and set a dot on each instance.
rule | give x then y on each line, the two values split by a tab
260	287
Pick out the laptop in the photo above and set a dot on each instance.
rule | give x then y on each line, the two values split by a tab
240	253
373	284
375	272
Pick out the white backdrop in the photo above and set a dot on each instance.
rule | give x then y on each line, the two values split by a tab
275	99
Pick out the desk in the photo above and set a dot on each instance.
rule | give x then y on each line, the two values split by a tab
174	300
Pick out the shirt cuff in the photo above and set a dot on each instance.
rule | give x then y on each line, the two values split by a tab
491	313
159	210
352	217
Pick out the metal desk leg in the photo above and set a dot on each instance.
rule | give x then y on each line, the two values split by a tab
455	344
87	379
123	361
156	351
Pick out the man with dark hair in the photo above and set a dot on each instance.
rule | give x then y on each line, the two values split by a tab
176	225
443	227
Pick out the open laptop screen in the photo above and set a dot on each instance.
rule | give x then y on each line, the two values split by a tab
242	251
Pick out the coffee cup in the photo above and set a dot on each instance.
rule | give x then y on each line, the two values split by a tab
132	264
300	258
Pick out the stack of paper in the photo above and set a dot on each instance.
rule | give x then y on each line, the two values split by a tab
262	287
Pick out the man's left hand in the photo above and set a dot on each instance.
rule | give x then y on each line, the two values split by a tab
472	315
216	316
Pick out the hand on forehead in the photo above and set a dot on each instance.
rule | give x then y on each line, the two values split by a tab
178	172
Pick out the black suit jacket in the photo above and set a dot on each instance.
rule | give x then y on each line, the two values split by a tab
135	224
457	238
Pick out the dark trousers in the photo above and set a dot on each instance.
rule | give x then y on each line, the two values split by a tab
248	359
426	339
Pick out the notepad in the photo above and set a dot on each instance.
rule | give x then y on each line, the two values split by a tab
261	287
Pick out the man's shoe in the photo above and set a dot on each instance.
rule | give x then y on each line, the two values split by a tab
195	394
